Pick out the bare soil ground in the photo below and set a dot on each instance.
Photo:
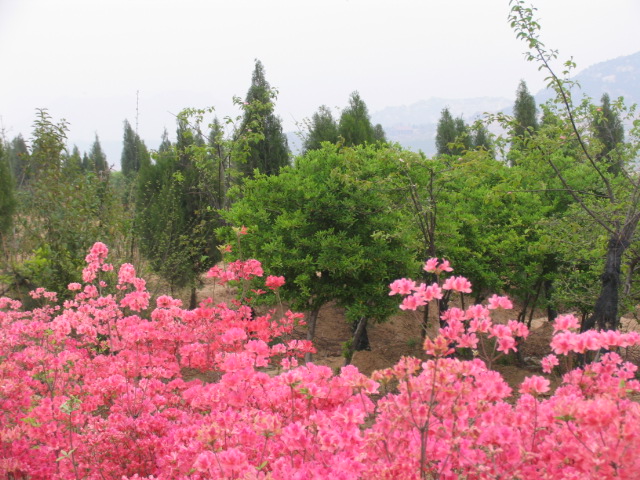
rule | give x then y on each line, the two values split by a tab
397	337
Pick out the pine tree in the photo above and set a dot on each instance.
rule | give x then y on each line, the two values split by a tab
73	162
355	124
481	138
7	192
271	152
323	128
609	130
525	112
98	157
18	158
451	135
134	151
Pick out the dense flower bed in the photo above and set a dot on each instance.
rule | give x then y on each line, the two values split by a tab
94	388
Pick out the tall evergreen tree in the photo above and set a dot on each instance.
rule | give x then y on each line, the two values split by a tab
7	193
323	128
271	152
73	162
609	130
98	157
451	135
481	138
355	123
134	151
18	158
525	112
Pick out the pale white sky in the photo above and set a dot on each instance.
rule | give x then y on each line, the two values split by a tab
85	59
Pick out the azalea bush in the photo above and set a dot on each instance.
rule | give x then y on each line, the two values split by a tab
103	386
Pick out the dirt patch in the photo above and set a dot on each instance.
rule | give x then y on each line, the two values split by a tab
401	336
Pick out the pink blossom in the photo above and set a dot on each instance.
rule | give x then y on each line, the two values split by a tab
412	302
549	362
499	302
274	282
565	322
457	284
534	385
402	286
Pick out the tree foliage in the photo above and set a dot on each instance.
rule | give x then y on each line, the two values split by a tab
322	128
330	226
269	152
355	125
7	192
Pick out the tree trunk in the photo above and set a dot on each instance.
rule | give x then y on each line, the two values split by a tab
359	336
605	312
193	299
552	313
312	318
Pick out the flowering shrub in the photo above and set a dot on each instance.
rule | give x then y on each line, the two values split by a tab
102	387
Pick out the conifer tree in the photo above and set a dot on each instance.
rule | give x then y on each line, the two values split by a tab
482	139
525	112
271	152
98	157
7	192
323	128
451	135
355	123
18	158
609	130
73	162
134	151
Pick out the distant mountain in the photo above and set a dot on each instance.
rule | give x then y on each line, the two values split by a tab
414	126
619	77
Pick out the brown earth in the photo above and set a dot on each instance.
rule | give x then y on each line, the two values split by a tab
398	336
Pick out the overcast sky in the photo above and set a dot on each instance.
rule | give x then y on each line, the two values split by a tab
85	59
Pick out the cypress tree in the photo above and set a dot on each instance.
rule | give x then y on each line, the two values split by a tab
323	128
609	130
451	135
98	157
525	112
7	192
355	124
134	151
18	158
73	162
271	152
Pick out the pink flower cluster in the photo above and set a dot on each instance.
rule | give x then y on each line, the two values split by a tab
95	389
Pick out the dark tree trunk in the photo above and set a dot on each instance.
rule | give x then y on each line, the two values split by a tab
360	340
312	318
193	299
360	336
552	313
605	312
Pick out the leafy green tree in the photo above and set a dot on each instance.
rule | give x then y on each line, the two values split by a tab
61	214
610	200
7	192
270	151
330	226
355	123
322	128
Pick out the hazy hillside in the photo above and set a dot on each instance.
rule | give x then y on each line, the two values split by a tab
414	126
